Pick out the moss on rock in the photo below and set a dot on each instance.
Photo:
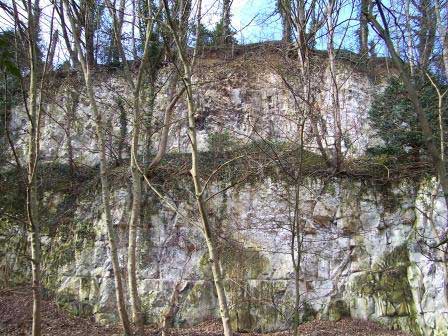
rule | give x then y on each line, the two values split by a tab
309	313
249	294
388	284
337	309
147	303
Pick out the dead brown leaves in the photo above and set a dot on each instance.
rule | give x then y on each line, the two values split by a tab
16	307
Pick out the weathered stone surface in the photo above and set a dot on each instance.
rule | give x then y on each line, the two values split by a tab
245	98
370	272
363	252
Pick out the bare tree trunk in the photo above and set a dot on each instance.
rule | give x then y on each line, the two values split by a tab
105	193
89	32
334	88
105	187
426	32
296	230
71	115
133	227
225	21
195	169
60	10
298	17
284	7
134	48
33	220
440	117
208	235
135	169
33	157
32	203
410	47
123	131
136	209
210	240
54	42
28	34
296	256
297	271
215	262
364	29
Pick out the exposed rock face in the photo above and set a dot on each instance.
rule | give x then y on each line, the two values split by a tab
363	246
245	99
364	256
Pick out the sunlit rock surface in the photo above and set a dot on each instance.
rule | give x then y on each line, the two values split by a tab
364	246
363	256
245	99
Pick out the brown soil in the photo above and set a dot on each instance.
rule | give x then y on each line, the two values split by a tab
16	307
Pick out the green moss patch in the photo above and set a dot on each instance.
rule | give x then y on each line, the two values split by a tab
388	283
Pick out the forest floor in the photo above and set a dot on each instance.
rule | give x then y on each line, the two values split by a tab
16	308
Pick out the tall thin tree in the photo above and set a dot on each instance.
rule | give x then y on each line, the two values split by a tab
187	64
105	184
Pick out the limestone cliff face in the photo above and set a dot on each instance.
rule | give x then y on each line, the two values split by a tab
249	98
364	251
364	257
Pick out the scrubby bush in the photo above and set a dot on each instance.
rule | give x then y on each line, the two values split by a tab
393	117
